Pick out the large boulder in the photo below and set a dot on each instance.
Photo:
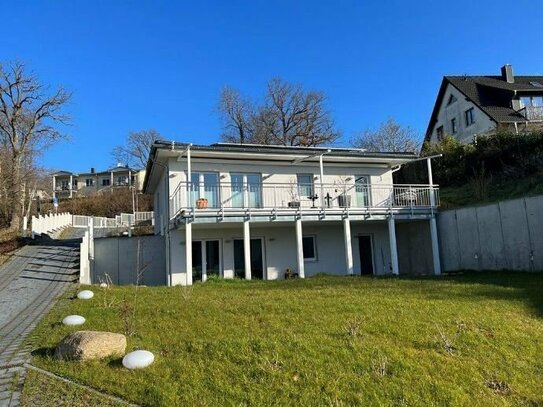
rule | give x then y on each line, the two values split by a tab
85	345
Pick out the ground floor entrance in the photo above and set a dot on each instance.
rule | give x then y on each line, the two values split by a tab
257	259
206	259
272	250
365	251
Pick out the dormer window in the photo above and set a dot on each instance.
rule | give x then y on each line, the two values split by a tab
452	99
529	101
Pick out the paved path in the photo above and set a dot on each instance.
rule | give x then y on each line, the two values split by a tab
29	283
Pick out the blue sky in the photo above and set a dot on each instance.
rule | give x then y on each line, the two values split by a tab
135	65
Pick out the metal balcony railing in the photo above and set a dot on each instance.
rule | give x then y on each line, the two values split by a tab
237	196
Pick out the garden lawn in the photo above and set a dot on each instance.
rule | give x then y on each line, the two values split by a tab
468	339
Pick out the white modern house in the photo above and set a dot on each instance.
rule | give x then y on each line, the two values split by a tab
254	212
67	184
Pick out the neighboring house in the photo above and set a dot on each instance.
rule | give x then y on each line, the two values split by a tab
468	106
69	185
253	211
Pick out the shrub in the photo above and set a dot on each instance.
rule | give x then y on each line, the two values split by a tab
499	156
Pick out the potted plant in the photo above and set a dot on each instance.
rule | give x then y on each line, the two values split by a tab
201	203
343	199
293	192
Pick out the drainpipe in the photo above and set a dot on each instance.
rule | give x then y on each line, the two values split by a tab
189	176
321	179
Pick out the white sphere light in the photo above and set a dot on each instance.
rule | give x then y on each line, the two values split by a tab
103	285
85	295
138	359
73	320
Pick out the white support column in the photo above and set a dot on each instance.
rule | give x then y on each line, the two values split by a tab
91	238
431	182
188	252
433	225
189	179
204	262
348	245
435	246
300	249
393	246
247	248
321	179
54	186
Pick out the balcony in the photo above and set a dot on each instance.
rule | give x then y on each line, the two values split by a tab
234	199
532	113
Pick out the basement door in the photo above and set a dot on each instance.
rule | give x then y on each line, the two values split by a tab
206	259
365	250
257	259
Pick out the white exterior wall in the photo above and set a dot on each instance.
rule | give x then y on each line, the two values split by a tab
284	173
160	202
280	247
483	123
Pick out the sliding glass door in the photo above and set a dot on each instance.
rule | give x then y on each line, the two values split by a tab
252	184
205	185
206	259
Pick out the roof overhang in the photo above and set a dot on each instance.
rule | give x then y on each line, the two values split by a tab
162	152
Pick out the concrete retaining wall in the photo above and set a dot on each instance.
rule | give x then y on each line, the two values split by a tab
506	235
117	256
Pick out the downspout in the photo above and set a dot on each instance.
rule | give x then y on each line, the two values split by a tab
167	231
321	179
189	176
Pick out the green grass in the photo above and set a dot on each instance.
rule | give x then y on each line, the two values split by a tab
41	390
471	339
499	190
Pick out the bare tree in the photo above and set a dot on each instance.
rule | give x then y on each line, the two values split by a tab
389	137
296	117
237	116
289	115
135	151
29	116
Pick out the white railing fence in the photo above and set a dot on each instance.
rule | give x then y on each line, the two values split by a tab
278	196
44	224
122	220
85	259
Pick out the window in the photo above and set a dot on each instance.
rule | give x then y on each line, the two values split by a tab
254	190
439	133
361	183
309	245
470	118
452	99
106	182
65	184
205	185
305	185
89	182
529	101
122	180
453	126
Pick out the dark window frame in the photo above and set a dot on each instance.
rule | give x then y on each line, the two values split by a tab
469	116
314	248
